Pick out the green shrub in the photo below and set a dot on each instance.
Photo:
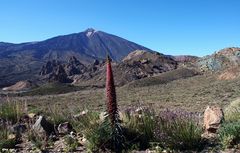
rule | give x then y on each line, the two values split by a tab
138	128
39	141
4	141
232	112
178	130
229	134
99	137
56	115
85	122
99	133
11	111
71	143
96	131
36	140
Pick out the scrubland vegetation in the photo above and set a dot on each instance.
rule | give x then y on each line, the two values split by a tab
142	128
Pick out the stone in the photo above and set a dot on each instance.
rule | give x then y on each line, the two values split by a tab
213	117
96	62
65	128
83	113
102	116
43	127
31	115
11	136
18	129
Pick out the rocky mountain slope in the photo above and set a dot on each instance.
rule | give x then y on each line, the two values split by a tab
137	65
23	61
223	59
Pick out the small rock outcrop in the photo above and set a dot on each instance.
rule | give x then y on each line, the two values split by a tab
65	128
213	117
21	85
229	74
49	67
59	75
55	71
74	67
185	58
43	127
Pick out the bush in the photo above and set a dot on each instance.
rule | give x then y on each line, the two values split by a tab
71	143
93	129
99	137
57	116
229	134
178	130
138	128
11	111
85	121
232	112
38	141
4	141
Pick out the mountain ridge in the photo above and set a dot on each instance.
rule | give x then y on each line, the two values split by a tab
24	60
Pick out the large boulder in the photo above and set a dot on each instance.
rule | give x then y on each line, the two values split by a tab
43	127
213	117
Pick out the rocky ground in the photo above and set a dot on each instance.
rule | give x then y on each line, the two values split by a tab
35	133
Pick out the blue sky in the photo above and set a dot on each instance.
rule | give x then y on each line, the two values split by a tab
196	27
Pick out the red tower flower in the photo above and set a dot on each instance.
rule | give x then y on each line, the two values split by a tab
111	94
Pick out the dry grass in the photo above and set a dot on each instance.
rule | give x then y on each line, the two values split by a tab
193	94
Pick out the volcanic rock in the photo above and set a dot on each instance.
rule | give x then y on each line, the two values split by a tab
43	127
137	65
54	71
213	117
74	67
221	60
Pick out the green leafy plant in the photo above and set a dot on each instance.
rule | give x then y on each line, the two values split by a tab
40	142
11	111
5	142
229	134
85	122
71	143
138	128
99	137
232	112
56	115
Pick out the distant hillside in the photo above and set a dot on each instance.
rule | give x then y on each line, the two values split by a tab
223	59
137	65
23	61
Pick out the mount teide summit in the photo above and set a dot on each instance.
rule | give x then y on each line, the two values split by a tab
87	45
23	61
